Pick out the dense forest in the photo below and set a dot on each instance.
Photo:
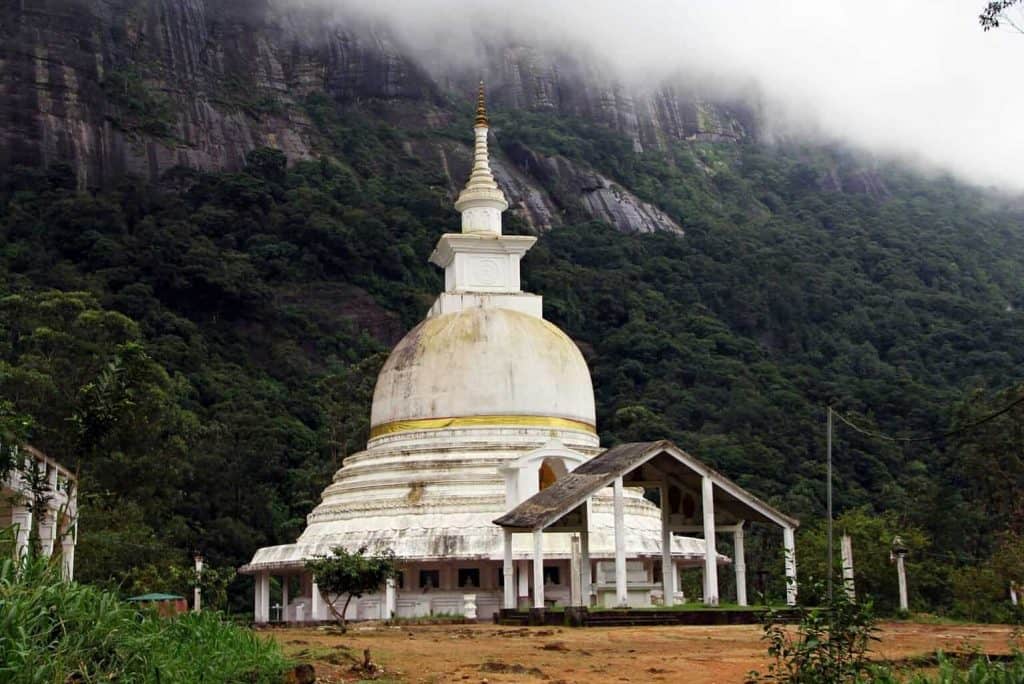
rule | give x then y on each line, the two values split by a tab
204	348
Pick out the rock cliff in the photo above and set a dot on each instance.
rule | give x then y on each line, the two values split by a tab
137	87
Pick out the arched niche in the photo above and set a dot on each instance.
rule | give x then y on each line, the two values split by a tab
550	471
523	476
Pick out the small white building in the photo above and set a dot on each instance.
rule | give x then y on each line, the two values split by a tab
480	407
49	519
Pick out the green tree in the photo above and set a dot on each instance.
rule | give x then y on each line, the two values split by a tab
181	579
350	575
871	536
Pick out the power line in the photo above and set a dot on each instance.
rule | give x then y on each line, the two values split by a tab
930	438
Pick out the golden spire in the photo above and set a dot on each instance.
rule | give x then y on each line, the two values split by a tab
481	107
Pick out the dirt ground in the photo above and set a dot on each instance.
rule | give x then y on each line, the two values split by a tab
492	654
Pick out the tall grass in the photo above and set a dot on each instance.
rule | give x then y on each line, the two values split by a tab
976	670
53	631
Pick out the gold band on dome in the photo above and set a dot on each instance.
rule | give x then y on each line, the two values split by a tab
480	421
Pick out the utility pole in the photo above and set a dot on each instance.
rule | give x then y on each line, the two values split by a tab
828	499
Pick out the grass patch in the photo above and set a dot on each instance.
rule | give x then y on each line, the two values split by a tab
56	631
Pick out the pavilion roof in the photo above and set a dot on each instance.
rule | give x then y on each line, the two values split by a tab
549	505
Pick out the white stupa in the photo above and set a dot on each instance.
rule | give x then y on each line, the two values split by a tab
479	407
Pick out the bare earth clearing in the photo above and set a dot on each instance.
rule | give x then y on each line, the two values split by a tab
474	653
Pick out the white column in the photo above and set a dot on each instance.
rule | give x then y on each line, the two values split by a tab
390	599
67	555
588	577
509	573
1014	599
263	598
47	531
317	608
668	584
740	560
710	550
21	516
901	570
621	590
538	568
846	550
197	593
789	545
69	537
285	598
524	579
575	573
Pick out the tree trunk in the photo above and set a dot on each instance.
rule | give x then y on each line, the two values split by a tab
340	617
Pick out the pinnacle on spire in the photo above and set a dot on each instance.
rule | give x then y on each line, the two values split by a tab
481	201
481	107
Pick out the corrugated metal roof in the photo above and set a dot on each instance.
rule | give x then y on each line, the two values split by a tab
156	597
547	506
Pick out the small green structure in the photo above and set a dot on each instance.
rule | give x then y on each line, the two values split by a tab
166	604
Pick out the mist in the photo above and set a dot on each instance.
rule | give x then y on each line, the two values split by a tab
914	79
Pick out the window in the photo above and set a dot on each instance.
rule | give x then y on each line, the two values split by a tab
430	579
400	579
469	578
552	575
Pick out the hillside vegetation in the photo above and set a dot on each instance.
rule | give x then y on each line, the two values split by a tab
205	350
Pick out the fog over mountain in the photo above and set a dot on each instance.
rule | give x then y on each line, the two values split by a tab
916	78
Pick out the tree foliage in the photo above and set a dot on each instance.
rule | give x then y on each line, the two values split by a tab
350	574
996	13
830	644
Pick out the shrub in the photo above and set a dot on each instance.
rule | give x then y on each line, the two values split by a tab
829	645
57	631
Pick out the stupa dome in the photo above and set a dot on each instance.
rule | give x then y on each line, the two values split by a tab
483	366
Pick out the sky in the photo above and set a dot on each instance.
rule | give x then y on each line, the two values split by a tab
916	79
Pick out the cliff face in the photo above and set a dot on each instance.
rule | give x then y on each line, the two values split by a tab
136	87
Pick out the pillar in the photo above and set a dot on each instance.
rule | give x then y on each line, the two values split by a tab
789	544
538	568
740	561
285	598
197	593
69	536
508	572
67	555
710	551
21	517
575	573
621	590
846	550
262	598
524	579
47	527
901	572
317	607
588	573
668	575
390	599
